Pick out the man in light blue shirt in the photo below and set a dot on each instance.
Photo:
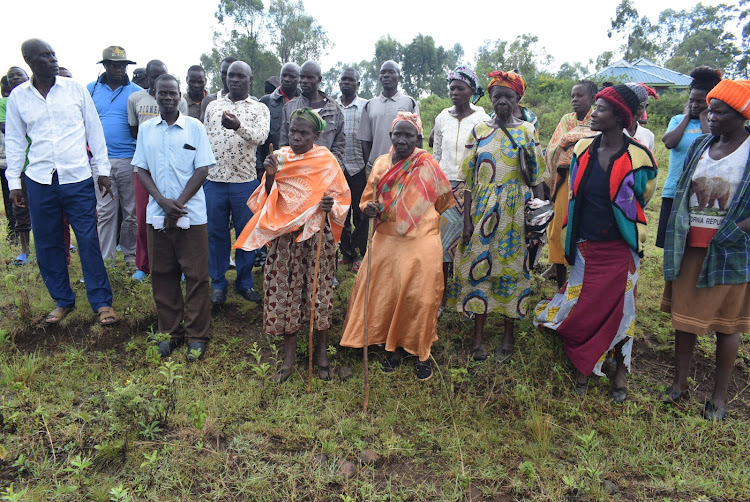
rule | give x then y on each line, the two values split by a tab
110	93
172	158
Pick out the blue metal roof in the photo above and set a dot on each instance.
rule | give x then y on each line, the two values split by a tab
643	71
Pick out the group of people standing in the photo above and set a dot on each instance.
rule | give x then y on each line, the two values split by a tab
301	176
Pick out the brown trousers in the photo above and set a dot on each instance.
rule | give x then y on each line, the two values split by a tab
172	253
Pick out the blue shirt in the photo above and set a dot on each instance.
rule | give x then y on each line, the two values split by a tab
677	154
112	106
172	154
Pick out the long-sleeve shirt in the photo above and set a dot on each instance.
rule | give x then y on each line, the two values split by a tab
59	128
235	150
333	138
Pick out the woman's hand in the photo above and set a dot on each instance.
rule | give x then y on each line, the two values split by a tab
271	164
468	231
326	203
744	225
371	210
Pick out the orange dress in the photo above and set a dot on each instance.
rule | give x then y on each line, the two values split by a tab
406	285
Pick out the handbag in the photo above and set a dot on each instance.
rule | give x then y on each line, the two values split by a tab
523	157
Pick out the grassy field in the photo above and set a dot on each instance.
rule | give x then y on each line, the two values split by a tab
92	414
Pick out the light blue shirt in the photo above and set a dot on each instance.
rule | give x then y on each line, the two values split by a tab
112	106
677	154
172	154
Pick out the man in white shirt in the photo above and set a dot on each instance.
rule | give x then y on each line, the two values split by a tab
59	118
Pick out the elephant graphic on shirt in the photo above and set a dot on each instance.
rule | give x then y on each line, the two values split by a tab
711	190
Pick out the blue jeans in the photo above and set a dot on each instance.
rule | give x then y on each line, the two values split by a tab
78	201
223	199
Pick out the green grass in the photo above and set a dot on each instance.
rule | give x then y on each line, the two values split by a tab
92	414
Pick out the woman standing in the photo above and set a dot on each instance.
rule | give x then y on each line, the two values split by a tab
612	177
405	194
572	127
491	271
452	126
707	243
303	191
681	132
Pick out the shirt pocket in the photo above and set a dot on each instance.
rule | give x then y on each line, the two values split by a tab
186	160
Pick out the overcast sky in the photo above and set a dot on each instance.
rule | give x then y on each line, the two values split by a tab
178	33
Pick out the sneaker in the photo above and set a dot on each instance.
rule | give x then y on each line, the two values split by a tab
424	370
139	276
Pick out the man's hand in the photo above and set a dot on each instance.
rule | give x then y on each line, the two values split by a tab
105	186
326	203
173	211
271	164
230	121
371	210
18	198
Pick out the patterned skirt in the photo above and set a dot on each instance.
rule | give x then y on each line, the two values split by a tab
595	311
452	223
288	283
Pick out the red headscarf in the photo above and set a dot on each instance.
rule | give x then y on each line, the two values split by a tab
509	79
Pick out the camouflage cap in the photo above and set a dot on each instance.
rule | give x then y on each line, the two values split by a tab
115	53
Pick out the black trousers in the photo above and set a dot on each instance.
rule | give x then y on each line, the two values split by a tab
354	236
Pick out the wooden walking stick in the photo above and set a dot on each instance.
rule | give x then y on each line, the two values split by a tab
366	361
312	313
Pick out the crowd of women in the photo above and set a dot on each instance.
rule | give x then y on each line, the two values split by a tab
470	202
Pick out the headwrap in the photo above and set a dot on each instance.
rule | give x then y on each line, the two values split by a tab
412	118
311	116
509	79
735	93
642	91
467	75
623	99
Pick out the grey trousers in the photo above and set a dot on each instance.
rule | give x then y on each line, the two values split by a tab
107	209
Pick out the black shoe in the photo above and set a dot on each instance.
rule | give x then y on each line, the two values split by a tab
249	295
195	351
392	362
218	296
167	347
424	370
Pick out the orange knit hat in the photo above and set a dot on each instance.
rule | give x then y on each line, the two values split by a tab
735	93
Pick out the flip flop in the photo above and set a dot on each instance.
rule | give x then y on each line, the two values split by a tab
21	259
58	314
107	316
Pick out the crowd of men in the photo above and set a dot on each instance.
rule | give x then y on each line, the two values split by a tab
162	175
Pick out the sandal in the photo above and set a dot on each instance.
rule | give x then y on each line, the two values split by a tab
58	314
107	316
21	259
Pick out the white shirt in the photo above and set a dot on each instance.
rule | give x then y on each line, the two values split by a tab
450	138
644	137
59	128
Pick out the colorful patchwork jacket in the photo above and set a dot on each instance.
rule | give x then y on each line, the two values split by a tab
632	181
728	255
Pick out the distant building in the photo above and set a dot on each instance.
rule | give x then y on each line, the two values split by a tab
645	72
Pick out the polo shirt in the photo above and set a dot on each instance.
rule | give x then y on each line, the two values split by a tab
377	117
112	107
172	154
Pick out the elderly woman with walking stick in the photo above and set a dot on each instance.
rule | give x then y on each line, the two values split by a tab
303	196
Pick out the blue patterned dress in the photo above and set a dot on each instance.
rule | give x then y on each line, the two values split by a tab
491	272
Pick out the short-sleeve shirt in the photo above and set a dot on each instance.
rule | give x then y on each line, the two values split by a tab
172	154
377	117
112	107
677	154
142	107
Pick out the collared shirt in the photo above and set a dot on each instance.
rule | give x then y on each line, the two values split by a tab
3	102
376	120
172	154
332	138
235	150
354	162
112	107
59	128
142	107
193	108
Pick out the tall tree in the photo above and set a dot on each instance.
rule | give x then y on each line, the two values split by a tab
636	32
295	35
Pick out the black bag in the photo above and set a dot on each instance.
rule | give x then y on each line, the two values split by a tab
524	158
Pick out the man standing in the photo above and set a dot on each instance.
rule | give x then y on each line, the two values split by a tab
59	118
275	102
378	114
110	93
139	78
333	137
142	106
196	84
236	125
223	68
172	158
354	236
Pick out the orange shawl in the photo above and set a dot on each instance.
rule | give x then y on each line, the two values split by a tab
294	202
